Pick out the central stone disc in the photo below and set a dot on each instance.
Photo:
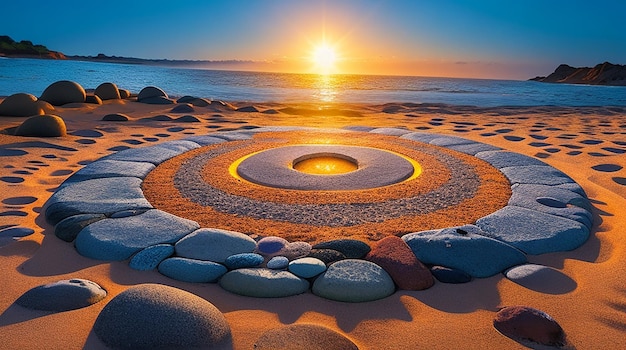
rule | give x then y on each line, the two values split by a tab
325	164
344	168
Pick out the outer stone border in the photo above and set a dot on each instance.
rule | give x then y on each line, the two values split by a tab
376	168
548	211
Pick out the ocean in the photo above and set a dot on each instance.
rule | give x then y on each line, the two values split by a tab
34	75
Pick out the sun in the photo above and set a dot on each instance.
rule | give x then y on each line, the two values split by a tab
324	58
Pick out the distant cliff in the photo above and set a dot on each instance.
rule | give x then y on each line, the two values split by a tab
602	74
25	48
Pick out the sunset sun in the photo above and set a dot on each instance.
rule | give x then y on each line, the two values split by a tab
324	58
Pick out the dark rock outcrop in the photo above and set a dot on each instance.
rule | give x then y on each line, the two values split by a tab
602	74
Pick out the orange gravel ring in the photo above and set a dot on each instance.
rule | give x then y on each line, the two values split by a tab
492	189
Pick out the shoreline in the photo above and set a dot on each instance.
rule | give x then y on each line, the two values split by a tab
587	143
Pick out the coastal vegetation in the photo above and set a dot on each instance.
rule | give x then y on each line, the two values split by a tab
25	48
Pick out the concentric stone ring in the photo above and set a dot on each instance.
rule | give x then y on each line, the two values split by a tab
376	168
150	205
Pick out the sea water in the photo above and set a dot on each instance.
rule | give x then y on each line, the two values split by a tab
34	75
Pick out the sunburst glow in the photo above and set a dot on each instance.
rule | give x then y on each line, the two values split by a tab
324	58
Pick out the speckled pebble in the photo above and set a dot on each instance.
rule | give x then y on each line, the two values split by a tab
351	248
150	257
278	263
240	261
63	295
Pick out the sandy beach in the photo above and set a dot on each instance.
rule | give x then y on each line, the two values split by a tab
586	143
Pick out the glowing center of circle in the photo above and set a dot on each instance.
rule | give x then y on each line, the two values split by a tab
325	164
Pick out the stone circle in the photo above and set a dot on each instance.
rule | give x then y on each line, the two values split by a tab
115	189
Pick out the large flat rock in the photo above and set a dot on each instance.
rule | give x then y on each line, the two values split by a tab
214	244
465	248
532	231
111	168
553	200
97	196
118	239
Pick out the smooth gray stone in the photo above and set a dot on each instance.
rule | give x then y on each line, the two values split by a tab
111	168
152	154
574	187
180	146
63	295
465	248
205	140
536	174
263	283
118	239
503	159
532	231
233	135
149	258
278	263
214	244
307	267
359	128
354	281
376	168
541	279
390	131
153	316
473	148
447	141
553	200
192	270
97	196
424	137
69	228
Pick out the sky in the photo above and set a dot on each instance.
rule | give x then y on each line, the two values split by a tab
495	39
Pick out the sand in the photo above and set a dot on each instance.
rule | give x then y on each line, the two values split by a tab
586	143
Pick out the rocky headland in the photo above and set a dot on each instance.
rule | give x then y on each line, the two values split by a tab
602	74
26	49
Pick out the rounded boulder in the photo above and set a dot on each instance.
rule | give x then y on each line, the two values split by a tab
354	281
23	105
153	316
107	91
303	337
150	92
64	92
523	323
47	125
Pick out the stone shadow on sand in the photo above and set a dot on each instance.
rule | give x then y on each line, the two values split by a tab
47	259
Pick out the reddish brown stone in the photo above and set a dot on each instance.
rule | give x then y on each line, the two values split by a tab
394	256
523	323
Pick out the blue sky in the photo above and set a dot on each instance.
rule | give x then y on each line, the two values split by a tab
491	39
